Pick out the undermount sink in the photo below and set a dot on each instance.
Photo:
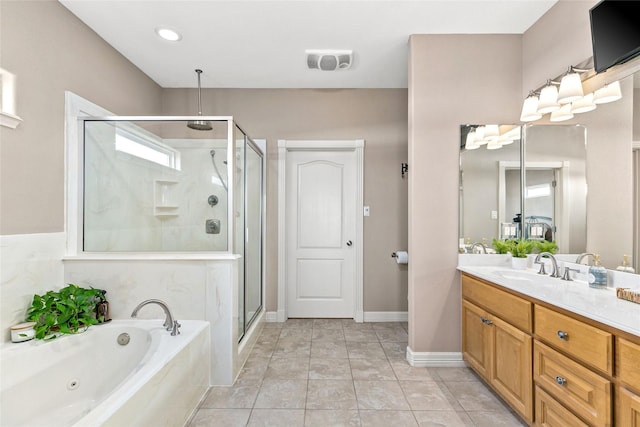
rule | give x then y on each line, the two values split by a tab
522	275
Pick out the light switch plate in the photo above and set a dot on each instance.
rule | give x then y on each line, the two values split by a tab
494	214
366	211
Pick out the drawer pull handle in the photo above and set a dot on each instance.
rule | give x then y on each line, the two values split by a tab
563	335
561	381
486	321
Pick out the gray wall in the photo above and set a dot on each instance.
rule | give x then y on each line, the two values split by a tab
51	51
477	80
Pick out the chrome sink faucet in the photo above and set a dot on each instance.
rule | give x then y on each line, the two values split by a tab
554	263
171	325
583	255
482	245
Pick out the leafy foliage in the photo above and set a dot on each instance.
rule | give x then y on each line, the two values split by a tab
518	248
501	246
521	248
67	311
545	246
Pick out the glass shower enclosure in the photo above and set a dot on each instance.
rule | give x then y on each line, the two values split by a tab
176	185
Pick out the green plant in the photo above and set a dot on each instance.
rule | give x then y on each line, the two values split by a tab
501	246
545	246
67	311
521	248
518	248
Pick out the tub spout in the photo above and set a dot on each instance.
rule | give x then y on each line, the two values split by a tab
170	324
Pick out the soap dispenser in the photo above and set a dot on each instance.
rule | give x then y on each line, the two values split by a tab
625	265
597	274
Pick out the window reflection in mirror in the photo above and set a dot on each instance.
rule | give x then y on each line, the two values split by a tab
555	190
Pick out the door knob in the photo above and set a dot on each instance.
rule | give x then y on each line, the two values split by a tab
349	243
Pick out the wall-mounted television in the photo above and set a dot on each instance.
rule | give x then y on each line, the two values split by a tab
615	32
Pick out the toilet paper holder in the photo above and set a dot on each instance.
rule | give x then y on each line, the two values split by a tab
401	257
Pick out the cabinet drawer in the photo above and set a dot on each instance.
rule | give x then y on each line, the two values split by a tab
587	343
628	408
581	390
508	307
549	413
628	363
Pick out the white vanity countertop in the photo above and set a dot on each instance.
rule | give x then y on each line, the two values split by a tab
601	305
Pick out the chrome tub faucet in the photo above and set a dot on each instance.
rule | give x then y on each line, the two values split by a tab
170	324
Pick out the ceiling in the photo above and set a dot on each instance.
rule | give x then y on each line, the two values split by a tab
262	43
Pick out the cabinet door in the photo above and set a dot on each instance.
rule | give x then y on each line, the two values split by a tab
475	338
511	366
629	415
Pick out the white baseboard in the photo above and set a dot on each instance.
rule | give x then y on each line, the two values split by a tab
435	359
368	316
271	316
386	316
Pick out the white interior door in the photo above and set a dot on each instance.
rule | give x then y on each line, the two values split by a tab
321	229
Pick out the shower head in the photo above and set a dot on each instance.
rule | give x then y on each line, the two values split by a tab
199	124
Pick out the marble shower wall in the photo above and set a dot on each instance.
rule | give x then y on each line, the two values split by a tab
134	204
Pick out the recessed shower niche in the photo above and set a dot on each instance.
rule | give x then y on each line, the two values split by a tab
165	198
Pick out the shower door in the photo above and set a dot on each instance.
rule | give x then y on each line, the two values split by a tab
253	234
249	231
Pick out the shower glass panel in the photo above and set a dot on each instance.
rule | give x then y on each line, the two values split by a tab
253	243
239	214
155	186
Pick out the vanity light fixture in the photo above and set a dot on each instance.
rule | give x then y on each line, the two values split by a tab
564	113
491	133
470	143
548	101
571	85
494	145
530	108
608	93
509	136
168	34
480	136
583	105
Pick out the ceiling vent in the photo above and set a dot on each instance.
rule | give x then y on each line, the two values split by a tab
329	60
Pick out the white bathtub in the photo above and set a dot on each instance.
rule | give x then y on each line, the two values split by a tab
90	380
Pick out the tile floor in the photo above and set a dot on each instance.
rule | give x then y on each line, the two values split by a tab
332	372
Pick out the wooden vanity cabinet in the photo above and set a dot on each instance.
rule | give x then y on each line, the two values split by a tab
553	367
628	391
496	349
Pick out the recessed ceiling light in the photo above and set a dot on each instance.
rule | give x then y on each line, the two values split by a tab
168	34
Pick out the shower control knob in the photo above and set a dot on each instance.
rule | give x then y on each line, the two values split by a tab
349	243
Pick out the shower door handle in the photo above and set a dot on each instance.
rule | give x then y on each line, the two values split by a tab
349	243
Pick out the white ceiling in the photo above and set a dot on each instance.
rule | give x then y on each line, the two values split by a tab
262	43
